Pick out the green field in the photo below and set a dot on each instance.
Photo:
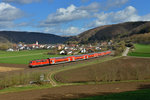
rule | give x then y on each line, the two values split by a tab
141	50
132	95
23	57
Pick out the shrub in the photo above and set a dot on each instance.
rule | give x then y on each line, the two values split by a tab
21	78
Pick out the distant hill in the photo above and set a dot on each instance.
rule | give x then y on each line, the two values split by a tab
108	32
32	37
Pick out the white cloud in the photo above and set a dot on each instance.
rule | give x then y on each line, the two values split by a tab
114	3
145	17
21	1
93	7
73	30
6	24
63	15
110	3
127	14
8	14
106	5
68	32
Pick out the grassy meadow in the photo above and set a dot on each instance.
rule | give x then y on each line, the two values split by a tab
23	57
132	95
141	50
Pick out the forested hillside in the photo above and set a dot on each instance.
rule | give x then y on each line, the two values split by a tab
114	31
32	37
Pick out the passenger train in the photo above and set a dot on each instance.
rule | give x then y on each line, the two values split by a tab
57	60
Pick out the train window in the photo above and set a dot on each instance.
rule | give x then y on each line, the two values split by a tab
33	61
52	61
39	61
61	58
42	60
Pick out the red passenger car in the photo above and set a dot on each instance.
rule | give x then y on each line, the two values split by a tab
78	57
95	54
91	55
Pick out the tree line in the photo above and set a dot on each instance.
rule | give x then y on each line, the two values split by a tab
4	44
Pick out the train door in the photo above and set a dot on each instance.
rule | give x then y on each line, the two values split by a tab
68	59
96	54
73	58
52	61
84	57
87	56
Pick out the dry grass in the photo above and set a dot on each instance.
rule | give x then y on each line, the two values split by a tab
6	69
20	78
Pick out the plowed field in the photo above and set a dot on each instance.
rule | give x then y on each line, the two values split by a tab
125	68
69	92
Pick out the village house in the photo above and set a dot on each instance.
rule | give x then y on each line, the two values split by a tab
10	49
60	47
65	52
104	43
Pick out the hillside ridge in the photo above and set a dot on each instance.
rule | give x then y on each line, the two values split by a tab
32	37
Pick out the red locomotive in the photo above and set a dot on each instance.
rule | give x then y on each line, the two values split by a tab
57	60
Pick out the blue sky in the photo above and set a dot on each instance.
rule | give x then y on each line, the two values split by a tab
69	17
